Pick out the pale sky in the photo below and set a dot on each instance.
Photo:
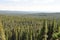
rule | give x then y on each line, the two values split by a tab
31	5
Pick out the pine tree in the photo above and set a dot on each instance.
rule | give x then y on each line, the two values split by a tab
45	29
2	32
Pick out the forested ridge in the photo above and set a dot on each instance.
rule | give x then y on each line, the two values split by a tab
29	28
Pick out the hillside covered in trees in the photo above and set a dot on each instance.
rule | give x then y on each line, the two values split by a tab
29	27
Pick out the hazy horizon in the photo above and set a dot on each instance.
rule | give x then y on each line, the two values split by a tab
30	5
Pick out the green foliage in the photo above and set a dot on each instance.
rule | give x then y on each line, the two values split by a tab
55	35
30	28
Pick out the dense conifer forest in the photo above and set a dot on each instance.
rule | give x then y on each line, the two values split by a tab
29	28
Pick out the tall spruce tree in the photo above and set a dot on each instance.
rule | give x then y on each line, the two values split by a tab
45	25
2	34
